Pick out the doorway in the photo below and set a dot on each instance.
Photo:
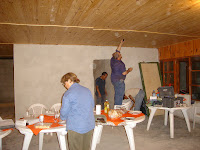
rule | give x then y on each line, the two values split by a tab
7	88
100	66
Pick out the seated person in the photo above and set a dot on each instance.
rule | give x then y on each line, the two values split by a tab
136	95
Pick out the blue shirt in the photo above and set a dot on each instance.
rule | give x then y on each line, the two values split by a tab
77	109
101	85
117	68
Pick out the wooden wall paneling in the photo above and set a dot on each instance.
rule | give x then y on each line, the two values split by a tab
175	50
164	53
196	47
189	48
160	53
184	49
179	50
172	51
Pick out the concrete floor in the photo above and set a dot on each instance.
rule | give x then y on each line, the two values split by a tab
114	138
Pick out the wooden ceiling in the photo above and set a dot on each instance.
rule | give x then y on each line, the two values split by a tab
142	23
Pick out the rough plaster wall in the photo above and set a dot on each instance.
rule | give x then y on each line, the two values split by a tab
38	69
6	81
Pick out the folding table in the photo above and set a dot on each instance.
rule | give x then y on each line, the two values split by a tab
171	117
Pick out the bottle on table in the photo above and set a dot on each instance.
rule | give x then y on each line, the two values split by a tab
157	94
153	93
106	107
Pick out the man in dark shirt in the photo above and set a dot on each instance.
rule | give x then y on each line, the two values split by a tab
118	74
100	89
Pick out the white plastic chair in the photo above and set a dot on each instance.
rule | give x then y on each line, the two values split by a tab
37	109
125	104
55	107
196	112
3	134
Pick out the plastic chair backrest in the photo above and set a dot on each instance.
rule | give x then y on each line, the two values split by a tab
197	108
3	134
37	109
55	107
196	112
127	105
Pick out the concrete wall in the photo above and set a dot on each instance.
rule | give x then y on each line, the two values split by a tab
38	69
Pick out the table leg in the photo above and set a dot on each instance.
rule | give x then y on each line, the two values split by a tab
171	117
0	143
61	140
166	117
129	132
27	140
100	132
184	111
41	135
153	110
96	136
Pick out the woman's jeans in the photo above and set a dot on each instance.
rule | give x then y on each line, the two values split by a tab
119	87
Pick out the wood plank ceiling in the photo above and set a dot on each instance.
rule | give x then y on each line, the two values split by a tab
142	23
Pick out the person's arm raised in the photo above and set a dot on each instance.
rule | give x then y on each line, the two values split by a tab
120	45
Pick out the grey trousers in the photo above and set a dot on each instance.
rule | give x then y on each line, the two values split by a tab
138	99
79	141
101	100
